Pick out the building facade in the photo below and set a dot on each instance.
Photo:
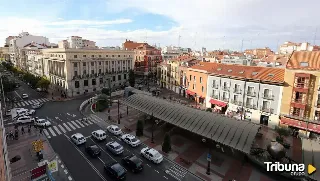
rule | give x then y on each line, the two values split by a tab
300	103
146	59
259	52
81	71
5	171
77	42
4	53
246	92
289	47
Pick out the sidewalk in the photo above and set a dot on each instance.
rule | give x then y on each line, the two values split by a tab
23	147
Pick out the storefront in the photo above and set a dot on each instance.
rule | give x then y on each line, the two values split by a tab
218	106
303	126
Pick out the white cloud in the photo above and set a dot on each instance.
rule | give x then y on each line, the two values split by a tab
87	22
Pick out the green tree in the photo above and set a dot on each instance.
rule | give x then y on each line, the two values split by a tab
131	78
102	102
105	91
43	84
8	85
282	132
139	130
166	145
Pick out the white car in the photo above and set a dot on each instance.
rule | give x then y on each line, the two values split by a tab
24	96
114	130
25	119
99	135
30	112
78	139
152	155
37	105
42	122
131	140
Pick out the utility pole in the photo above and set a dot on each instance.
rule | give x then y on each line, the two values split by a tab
241	45
118	111
315	37
4	99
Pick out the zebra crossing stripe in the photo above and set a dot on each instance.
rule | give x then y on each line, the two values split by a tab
75	124
85	123
18	104
93	120
79	123
89	122
36	101
46	99
26	103
57	130
22	104
71	125
46	133
66	126
63	130
97	118
52	132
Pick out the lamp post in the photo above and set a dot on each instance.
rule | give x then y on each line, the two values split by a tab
208	156
155	122
118	111
195	98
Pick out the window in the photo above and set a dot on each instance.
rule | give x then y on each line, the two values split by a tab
99	71
76	84
101	81
250	90
112	55
213	83
226	85
236	87
202	89
93	81
124	76
92	63
92	71
75	56
194	78
119	77
112	70
200	79
190	77
84	64
225	96
100	56
296	111
249	102
254	73
265	105
113	78
304	64
84	72
235	98
118	55
99	63
92	56
85	82
193	86
84	56
75	73
75	64
107	56
266	93
112	62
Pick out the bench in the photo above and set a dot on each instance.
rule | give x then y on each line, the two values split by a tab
185	161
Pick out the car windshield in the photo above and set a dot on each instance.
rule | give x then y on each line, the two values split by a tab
136	161
82	138
116	129
134	139
117	147
118	168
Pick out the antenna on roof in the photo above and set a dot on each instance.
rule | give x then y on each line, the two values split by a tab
315	36
241	45
179	40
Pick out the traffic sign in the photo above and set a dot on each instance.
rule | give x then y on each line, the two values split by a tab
53	166
209	157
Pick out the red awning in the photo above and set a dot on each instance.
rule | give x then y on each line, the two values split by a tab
190	92
293	122
218	103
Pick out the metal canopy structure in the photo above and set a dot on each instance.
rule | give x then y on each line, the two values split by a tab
311	155
236	134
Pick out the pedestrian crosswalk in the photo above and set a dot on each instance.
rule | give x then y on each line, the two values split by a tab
56	130
30	102
176	172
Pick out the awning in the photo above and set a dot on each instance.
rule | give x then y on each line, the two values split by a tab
190	92
293	122
218	103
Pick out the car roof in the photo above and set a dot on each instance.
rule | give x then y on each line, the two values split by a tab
130	136
114	143
78	135
94	146
114	126
99	131
153	151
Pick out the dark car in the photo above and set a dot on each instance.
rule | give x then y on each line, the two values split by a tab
93	150
115	170
133	163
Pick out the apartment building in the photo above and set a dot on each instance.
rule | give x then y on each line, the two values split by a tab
146	59
289	47
246	92
77	42
259	52
81	71
19	42
4	53
5	171
300	103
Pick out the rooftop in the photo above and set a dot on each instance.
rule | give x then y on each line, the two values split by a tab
130	45
305	60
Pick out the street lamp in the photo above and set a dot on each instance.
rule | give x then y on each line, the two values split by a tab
208	156
156	122
195	98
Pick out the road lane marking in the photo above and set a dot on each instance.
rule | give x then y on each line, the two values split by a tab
103	150
66	171
45	99
97	117
92	166
89	122
69	178
40	100
148	165
46	133
75	124
63	130
66	126
36	101
52	132
18	95
26	102
156	171
101	160
71	126
18	104
172	175
165	177
32	101
57	130
79	123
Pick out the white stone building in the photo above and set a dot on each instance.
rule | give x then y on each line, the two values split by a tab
288	47
77	42
19	42
80	71
255	90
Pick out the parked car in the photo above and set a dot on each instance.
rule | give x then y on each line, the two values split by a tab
78	139
131	140
152	155
115	170
37	105
42	122
99	135
93	150
30	112
114	147
133	163
114	130
24	119
24	96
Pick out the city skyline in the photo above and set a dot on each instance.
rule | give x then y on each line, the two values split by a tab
210	24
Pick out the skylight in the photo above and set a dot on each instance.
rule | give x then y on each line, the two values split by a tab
304	64
229	70
270	75
254	73
219	69
241	72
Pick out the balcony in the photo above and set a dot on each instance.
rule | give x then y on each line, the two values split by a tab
215	96
268	96
237	91
225	99
225	88
236	102
215	86
251	94
267	109
300	85
317	104
251	106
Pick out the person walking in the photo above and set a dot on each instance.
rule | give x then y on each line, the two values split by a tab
41	129
22	130
29	128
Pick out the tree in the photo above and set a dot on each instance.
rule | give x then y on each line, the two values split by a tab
282	132
102	102
166	145
105	91
131	78
43	84
139	130
8	85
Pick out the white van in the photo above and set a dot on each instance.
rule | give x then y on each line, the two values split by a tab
99	135
25	119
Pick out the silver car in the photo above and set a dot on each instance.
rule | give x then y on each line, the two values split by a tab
114	147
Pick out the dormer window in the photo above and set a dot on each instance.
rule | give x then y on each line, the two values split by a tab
219	69
304	64
241	72
254	73
271	75
229	70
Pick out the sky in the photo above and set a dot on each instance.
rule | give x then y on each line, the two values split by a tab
214	24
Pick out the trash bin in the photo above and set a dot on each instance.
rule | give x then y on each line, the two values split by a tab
40	156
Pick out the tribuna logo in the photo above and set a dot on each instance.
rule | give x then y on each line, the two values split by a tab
293	168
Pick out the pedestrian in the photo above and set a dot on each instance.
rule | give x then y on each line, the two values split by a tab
29	128
41	130
22	130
